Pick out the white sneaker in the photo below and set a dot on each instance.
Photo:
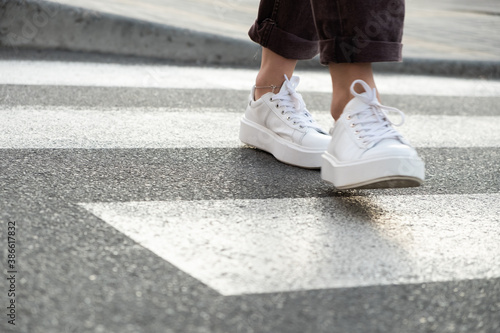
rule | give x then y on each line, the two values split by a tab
366	151
281	125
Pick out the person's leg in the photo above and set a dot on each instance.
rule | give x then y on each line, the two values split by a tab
342	76
365	151
353	34
276	118
272	68
287	33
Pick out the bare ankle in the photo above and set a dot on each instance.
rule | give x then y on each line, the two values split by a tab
339	101
342	77
262	90
272	71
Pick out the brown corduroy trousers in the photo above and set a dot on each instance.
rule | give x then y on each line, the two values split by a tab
341	31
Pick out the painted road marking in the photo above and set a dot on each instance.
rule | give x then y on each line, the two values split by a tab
274	245
163	76
62	127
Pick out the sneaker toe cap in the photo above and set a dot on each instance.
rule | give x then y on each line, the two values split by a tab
391	147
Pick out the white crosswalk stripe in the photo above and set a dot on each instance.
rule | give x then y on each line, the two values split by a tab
265	245
162	76
60	127
258	246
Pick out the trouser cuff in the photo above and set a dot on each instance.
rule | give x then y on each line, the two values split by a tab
349	50
287	45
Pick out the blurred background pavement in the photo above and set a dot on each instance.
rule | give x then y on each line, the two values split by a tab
450	37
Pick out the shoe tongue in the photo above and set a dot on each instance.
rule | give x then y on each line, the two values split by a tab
294	81
284	89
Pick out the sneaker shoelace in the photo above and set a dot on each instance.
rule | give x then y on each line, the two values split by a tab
372	124
294	106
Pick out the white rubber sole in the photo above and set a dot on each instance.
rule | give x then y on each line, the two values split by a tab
387	172
285	151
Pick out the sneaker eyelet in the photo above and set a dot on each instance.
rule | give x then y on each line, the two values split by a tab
277	105
282	111
348	117
287	118
353	124
301	126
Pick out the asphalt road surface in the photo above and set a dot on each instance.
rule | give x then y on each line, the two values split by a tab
137	209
